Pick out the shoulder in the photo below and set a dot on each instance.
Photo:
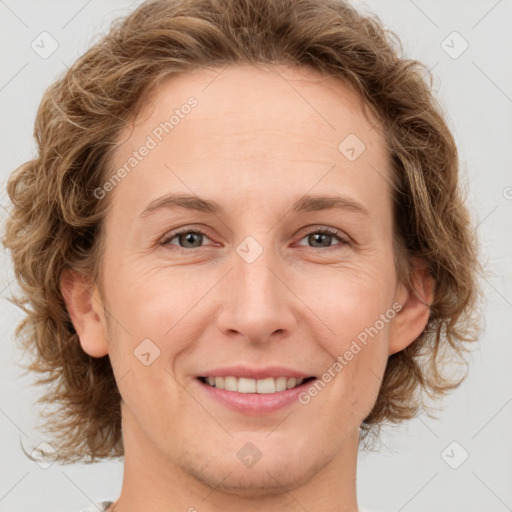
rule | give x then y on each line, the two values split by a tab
98	507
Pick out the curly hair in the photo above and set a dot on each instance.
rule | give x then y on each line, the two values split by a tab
56	219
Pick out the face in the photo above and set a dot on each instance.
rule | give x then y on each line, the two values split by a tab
248	281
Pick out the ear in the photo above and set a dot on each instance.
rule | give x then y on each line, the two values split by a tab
85	309
412	319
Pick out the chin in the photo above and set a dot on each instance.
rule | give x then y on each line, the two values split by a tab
265	478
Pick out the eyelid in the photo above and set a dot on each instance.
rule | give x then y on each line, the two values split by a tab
342	236
186	229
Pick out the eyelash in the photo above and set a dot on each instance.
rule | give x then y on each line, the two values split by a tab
324	230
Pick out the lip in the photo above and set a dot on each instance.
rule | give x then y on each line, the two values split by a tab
255	373
254	404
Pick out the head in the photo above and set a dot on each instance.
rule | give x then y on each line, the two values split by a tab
254	110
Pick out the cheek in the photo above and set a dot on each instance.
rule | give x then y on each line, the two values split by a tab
348	301
150	301
145	311
155	324
352	324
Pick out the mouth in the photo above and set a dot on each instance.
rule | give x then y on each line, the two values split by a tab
253	392
269	385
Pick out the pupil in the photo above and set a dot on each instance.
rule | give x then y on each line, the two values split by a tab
189	237
320	235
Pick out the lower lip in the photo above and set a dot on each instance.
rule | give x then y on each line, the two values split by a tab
255	404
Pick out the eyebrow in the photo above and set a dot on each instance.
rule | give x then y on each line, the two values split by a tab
307	203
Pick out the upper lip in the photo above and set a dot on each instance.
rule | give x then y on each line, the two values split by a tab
255	373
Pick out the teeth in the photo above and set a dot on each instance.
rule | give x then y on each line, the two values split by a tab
231	383
290	383
245	385
266	385
281	383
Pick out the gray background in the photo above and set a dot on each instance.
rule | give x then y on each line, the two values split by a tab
411	471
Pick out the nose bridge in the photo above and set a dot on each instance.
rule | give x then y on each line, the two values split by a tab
252	277
258	303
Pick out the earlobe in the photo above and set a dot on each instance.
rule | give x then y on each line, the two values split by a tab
412	319
84	308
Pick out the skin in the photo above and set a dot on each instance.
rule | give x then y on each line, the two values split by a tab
259	139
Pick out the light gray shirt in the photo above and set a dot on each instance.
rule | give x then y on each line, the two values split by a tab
98	507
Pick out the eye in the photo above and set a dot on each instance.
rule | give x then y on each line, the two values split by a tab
319	237
187	239
324	236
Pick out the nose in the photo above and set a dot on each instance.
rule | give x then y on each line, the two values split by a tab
257	303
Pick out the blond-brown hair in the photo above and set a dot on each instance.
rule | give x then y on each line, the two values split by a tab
56	219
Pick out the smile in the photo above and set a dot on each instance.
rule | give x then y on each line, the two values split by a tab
247	385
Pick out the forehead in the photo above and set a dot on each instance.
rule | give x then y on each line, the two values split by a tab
252	127
244	103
